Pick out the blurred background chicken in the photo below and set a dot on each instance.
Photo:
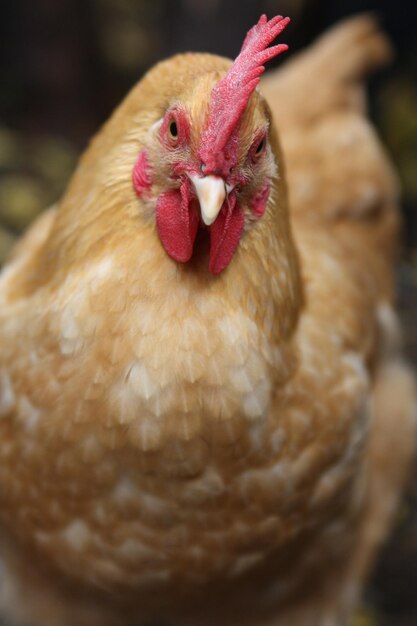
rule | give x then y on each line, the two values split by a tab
356	205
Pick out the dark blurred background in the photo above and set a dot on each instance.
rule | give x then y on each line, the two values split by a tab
65	64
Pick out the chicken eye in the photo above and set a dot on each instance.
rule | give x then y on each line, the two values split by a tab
260	148
173	130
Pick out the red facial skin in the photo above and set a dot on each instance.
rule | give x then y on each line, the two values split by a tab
260	200
177	210
141	174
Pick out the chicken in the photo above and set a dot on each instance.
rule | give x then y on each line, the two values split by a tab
205	416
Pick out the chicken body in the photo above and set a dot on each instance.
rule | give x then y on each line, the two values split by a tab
190	449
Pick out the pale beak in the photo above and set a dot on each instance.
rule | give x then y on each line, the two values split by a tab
211	193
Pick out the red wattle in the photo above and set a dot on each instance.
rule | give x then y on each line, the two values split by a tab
225	234
177	223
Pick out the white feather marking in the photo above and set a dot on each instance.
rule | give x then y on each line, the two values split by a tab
140	381
356	363
125	491
245	563
156	125
255	403
7	397
240	380
391	333
133	550
71	340
28	414
201	489
76	534
103	268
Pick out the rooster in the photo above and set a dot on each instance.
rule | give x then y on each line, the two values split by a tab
205	417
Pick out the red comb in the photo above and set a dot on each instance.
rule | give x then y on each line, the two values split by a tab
231	94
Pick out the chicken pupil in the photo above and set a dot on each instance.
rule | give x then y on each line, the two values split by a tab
173	129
